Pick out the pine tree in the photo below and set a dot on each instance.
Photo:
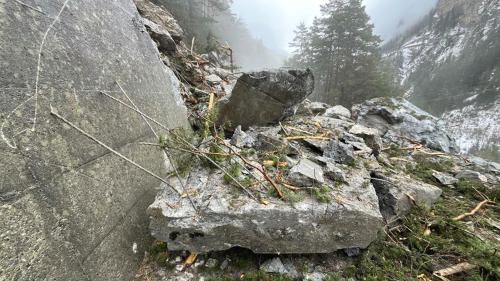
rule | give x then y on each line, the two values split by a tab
343	53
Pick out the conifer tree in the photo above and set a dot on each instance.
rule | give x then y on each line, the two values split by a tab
342	51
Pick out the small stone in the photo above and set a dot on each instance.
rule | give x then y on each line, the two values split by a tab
211	263
213	79
444	179
340	152
317	107
224	264
290	268
352	252
337	111
306	173
334	173
315	276
370	136
273	266
269	140
316	145
241	139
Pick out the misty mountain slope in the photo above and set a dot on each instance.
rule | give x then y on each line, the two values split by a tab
449	65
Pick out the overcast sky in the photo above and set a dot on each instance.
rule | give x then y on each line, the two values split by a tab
274	20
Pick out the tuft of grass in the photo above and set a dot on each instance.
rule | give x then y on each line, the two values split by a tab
322	194
415	252
289	195
234	171
395	151
425	165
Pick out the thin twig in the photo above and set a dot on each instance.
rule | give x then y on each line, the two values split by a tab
262	170
31	7
165	152
54	112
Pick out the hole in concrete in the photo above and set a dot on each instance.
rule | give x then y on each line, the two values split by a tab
173	235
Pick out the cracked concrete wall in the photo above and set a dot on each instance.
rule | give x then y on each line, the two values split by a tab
70	209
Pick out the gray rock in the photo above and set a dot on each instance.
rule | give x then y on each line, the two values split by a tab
274	265
293	149
337	111
291	269
222	73
165	42
352	252
334	173
224	264
312	108
74	210
316	145
370	136
444	179
315	276
263	98
399	118
340	152
306	173
211	263
230	220
471	175
241	139
213	79
398	194
333	123
270	140
161	17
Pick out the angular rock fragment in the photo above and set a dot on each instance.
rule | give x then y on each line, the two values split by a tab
213	79
334	173
306	173
370	136
340	152
165	42
332	123
270	140
471	175
398	194
337	111
161	17
273	265
266	97
444	179
402	120
225	220
241	139
312	108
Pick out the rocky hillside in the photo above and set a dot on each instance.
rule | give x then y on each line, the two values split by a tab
449	65
275	187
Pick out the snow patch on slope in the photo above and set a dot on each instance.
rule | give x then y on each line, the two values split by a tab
474	127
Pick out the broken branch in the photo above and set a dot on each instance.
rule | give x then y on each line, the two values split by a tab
474	211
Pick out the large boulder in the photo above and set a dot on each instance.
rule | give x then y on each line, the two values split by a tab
226	218
70	209
266	97
401	121
399	193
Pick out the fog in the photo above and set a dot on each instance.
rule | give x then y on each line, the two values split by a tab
274	21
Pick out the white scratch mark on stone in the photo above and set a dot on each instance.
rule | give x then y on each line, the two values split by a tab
10	143
37	79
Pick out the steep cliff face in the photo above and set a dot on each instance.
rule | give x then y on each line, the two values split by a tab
449	65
